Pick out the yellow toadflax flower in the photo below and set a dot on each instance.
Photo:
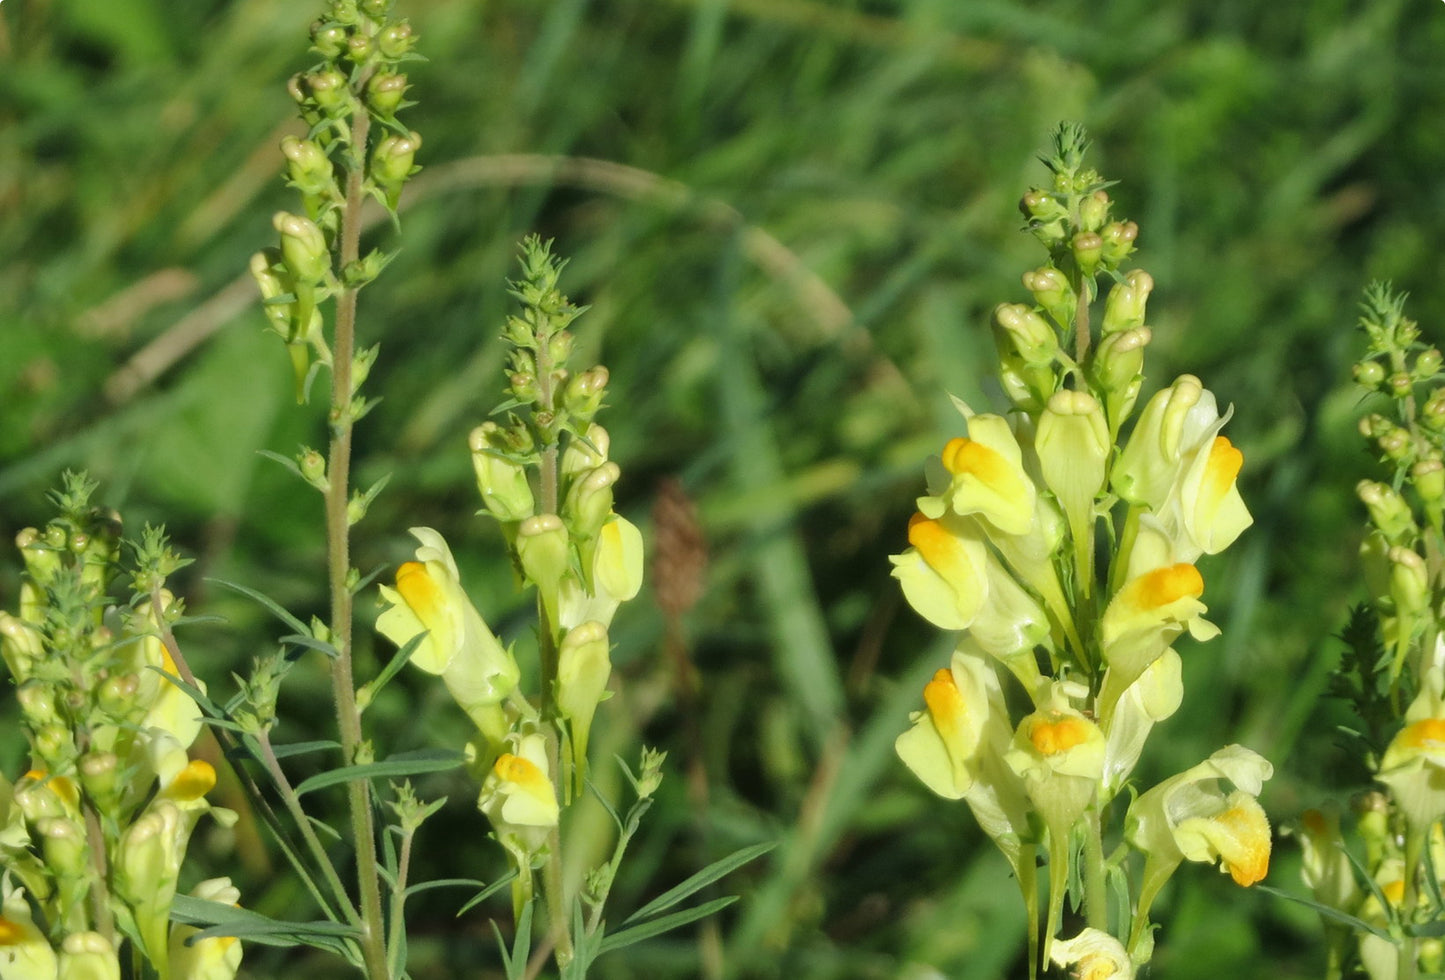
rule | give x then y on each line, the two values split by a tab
1414	762
428	598
1099	956
944	571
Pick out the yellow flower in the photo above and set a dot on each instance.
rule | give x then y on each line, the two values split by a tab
25	954
943	572
1144	617
214	958
1099	956
1189	817
477	670
88	956
987	476
1414	762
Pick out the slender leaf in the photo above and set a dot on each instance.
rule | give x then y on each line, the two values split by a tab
424	886
304	748
701	880
655	927
219	919
393	666
311	643
274	607
1333	914
486	893
402	764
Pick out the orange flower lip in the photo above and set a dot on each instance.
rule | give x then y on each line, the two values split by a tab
1165	586
1223	467
1051	738
1427	735
419	591
945	702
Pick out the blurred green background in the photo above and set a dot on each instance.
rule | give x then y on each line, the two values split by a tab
790	219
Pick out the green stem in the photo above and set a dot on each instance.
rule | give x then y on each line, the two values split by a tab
1081	324
552	879
338	548
398	906
1096	908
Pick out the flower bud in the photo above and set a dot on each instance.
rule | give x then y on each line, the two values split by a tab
396	40
303	247
1369	374
1028	333
1118	238
584	392
1399	384
392	163
1087	248
1427	364
375	9
1124	306
308	167
359	47
1395	444
506	492
21	646
1073	446
328	89
589	500
1432	413
1118	370
587	453
1428	475
87	956
1094	210
583	666
1409	582
98	774
63	843
542	548
1388	511
1051	291
384	93
272	286
328	40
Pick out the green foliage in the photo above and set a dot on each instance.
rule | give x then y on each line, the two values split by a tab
820	207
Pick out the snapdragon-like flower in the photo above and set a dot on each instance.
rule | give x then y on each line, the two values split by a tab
1189	817
428	598
614	570
1099	956
88	956
212	958
987	475
956	747
1178	467
25	953
944	570
1414	762
1146	615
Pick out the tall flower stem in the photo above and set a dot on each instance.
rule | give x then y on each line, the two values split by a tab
552	884
338	549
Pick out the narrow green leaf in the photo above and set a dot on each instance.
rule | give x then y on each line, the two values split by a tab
304	748
311	643
285	461
219	919
654	927
275	608
486	893
424	886
606	804
1333	914
701	880
401	764
392	668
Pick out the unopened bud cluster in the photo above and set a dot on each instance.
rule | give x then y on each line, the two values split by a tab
544	474
1397	646
1006	548
96	830
354	147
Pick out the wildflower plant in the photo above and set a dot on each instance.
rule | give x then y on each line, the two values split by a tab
93	836
1383	910
1060	541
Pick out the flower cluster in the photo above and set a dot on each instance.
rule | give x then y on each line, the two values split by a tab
1005	548
1394	670
93	836
566	541
356	85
